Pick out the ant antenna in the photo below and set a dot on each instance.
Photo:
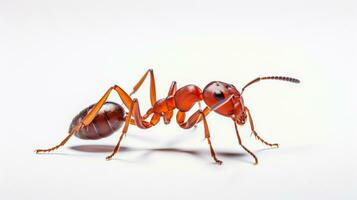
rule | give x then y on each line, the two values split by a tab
280	78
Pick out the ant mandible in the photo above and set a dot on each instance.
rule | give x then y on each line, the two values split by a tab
104	118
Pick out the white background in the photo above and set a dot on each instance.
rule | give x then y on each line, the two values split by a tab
57	57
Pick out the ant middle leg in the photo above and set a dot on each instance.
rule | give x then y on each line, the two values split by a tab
134	111
255	133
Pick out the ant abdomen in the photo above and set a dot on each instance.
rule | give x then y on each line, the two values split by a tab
108	120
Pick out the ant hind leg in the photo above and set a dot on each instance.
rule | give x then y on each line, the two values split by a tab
87	120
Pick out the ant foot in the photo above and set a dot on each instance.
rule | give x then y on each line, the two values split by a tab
109	157
219	162
38	151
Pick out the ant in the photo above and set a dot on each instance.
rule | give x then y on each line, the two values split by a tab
104	118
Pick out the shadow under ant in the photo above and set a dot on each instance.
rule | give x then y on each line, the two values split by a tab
97	148
196	152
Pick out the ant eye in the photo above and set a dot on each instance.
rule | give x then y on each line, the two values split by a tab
218	94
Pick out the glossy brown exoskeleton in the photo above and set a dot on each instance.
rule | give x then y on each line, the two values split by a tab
104	118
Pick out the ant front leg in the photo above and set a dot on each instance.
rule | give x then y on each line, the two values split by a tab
198	116
241	144
192	121
208	137
255	133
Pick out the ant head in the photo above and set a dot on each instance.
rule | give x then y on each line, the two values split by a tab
218	91
226	100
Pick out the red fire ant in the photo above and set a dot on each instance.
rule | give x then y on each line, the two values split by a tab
104	118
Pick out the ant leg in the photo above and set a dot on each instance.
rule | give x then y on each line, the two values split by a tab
172	89
152	90
168	115
192	121
196	117
91	115
75	129
152	86
199	116
134	111
125	129
255	133
200	107
155	119
245	148
148	113
208	137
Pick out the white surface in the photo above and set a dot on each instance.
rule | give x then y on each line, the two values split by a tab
58	57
